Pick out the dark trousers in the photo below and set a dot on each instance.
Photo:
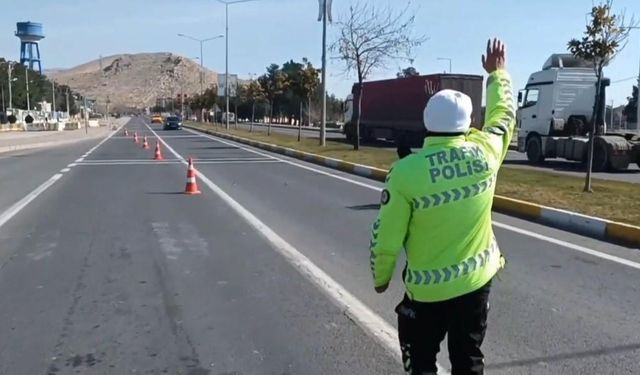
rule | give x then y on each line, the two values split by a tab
423	325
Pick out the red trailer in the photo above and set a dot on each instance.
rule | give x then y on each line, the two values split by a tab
393	108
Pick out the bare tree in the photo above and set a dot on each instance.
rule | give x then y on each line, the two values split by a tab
369	38
605	36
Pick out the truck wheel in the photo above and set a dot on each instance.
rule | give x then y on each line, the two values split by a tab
534	150
601	162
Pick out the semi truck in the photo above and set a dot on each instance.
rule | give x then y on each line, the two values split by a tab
555	117
392	109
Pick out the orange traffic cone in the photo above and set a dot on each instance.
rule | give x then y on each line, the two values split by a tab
192	185
135	138
145	143
158	155
126	132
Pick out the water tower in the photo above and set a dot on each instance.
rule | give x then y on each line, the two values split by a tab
30	33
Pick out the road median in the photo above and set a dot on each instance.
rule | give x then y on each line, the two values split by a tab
611	214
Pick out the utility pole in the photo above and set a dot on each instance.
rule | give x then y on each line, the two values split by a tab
108	102
86	115
325	12
67	97
638	101
10	82
4	108
26	78
53	102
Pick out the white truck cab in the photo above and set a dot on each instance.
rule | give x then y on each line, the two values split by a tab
555	112
557	101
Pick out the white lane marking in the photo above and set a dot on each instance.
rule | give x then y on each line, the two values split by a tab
22	203
65	170
71	165
525	232
264	161
128	163
369	321
570	246
79	160
233	159
309	168
98	161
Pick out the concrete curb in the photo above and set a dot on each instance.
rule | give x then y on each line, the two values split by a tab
595	227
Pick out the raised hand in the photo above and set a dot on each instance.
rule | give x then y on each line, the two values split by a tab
496	57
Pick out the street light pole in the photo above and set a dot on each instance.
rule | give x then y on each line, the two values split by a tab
325	12
446	59
226	74
201	41
226	65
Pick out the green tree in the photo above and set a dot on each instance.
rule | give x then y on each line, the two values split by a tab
273	84
205	101
408	72
369	37
304	79
605	36
40	88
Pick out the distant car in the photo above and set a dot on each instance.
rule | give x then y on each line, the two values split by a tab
173	123
156	119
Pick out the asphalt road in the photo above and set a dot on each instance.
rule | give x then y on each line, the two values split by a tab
112	270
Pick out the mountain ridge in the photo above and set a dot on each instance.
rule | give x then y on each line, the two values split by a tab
134	80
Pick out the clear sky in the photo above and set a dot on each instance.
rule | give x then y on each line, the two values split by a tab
273	31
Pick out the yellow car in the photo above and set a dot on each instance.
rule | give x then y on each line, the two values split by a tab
156	119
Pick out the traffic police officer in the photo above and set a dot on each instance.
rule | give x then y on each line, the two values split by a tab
437	206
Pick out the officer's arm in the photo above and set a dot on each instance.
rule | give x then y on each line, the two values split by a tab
389	231
500	113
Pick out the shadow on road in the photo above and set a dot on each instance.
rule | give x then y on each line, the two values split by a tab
565	356
365	207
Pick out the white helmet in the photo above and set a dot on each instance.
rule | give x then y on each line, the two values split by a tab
448	111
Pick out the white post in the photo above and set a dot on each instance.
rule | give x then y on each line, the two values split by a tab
323	107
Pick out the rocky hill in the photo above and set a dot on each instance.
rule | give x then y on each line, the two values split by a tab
134	80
